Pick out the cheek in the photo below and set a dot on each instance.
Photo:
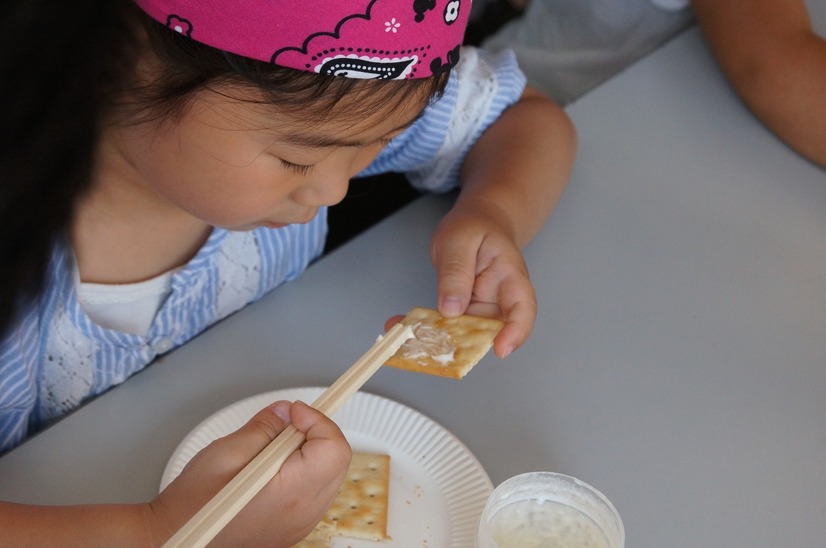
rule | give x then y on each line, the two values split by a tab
224	195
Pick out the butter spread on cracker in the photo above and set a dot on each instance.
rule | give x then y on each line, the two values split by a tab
429	342
466	340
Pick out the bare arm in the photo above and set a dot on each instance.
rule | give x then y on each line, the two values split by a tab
282	513
521	164
93	525
511	180
775	63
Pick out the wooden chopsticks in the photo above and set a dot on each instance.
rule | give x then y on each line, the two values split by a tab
214	516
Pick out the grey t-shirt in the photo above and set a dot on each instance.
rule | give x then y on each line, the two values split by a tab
567	47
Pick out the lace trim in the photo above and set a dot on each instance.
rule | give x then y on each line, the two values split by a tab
68	368
239	270
472	104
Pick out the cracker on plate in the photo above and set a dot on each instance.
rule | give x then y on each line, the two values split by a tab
321	536
448	347
360	509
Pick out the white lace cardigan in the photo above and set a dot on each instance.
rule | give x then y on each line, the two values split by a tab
56	357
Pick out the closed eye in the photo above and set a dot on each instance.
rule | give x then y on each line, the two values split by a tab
297	168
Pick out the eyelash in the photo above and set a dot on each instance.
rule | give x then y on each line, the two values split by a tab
304	170
297	168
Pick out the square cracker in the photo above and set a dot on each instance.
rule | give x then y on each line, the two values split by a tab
321	536
470	338
360	509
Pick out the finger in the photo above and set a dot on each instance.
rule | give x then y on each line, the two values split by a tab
324	438
242	445
456	270
485	310
520	317
262	428
392	321
314	423
325	444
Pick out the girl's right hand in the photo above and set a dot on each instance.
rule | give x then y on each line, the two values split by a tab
288	507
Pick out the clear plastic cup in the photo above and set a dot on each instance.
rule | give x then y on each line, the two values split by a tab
549	510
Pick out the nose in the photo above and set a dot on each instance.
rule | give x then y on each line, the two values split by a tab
323	190
327	183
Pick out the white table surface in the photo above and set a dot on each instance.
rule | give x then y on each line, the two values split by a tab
678	363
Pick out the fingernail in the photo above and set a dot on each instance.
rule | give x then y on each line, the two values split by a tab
451	306
282	411
507	352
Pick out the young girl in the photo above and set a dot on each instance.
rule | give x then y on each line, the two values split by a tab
242	124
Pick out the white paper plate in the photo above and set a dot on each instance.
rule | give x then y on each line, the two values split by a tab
437	487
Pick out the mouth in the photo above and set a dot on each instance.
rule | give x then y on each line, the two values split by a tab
304	221
275	225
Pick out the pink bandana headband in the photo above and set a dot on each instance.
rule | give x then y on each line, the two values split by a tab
386	39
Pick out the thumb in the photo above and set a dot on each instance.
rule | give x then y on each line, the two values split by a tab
261	429
455	268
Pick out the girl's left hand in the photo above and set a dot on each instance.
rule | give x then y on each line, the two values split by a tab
482	272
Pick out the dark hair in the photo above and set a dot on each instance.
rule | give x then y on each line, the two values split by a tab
61	66
59	61
185	66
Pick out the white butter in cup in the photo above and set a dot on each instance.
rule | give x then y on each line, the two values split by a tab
549	510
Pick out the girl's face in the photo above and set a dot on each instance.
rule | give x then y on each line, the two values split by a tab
238	165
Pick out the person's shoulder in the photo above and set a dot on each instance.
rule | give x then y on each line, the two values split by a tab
497	72
19	348
18	379
23	337
475	61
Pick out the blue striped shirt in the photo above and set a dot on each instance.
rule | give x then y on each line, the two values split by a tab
56	357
